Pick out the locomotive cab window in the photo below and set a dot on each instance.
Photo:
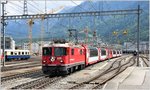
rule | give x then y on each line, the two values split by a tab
47	51
60	51
93	52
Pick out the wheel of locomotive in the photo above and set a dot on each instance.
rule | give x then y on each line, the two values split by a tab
71	70
52	74
74	68
68	70
44	72
82	66
79	67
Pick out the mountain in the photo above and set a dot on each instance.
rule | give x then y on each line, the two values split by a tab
104	25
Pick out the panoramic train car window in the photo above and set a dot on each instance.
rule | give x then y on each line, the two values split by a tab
19	53
117	52
93	52
22	53
103	52
60	51
114	52
72	51
47	51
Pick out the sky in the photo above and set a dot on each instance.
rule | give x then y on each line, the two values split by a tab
14	7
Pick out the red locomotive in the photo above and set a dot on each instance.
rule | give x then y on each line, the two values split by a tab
66	58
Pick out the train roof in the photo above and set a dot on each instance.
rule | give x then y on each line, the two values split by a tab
64	45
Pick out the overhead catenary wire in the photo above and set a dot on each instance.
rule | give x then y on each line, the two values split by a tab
35	2
16	10
79	6
90	1
35	8
15	4
101	8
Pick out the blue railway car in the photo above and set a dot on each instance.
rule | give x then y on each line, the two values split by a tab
17	54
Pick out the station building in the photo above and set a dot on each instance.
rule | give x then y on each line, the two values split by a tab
9	43
143	46
36	46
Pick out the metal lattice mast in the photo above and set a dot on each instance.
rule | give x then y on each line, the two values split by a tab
94	38
42	32
25	9
30	35
138	34
3	30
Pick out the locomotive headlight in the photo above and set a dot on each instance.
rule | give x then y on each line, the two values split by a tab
44	61
53	59
61	61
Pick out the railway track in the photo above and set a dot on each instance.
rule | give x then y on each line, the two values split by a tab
145	60
39	83
20	61
42	81
35	73
116	68
9	68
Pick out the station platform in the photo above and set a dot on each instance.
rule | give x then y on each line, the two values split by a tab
133	78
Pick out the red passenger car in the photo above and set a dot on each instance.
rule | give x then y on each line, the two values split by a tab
110	53
103	54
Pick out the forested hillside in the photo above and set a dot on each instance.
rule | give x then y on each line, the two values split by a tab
104	25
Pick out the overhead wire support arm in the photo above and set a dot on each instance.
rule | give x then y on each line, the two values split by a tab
74	14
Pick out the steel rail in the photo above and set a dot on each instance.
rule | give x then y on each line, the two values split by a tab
9	68
145	57
110	69
20	75
117	73
144	61
39	83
